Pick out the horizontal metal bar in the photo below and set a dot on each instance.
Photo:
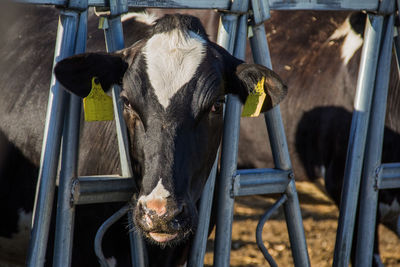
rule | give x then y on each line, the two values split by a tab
371	5
390	176
101	189
260	181
192	4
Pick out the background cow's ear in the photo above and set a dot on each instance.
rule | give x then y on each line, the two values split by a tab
246	78
75	73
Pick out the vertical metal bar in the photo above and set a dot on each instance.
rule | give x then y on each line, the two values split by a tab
280	152
115	41
369	190
230	140
65	45
198	249
356	146
65	208
396	42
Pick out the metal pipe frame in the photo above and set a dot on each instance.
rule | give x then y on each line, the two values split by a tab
370	5
280	153
357	140
261	225
260	181
65	46
232	36
103	229
69	165
115	41
390	177
368	190
102	189
198	249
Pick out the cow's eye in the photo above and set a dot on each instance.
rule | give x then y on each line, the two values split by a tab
126	102
218	106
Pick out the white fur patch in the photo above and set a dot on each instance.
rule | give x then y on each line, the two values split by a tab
112	262
144	17
159	192
172	60
351	43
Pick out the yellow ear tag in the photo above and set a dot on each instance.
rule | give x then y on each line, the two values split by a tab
98	106
255	100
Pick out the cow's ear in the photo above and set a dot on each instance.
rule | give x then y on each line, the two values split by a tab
247	77
75	73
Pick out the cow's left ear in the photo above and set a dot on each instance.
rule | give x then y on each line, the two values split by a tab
76	73
247	78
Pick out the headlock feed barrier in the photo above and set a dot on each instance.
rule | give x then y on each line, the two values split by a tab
237	16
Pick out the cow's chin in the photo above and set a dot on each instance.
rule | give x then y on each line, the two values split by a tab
167	239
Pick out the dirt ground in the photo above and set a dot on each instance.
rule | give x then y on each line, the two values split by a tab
320	217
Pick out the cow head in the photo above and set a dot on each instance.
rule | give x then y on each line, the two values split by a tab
174	82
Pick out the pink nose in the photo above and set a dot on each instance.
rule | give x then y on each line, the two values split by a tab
159	206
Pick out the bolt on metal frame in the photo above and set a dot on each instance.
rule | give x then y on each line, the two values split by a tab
71	39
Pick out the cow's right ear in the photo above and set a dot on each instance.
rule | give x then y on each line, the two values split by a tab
75	73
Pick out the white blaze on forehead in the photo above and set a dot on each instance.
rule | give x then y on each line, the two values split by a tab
159	192
351	43
172	60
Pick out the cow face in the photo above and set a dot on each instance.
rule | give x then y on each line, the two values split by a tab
174	82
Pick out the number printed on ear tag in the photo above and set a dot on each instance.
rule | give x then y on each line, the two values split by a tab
255	100
98	106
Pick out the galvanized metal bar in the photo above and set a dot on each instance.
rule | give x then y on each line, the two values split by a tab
198	249
260	181
260	227
368	190
115	41
295	227
65	46
69	165
139	255
358	133
396	43
103	229
280	153
370	5
102	189
229	27
390	177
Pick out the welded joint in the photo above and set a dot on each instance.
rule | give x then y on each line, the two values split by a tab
235	185
75	191
378	177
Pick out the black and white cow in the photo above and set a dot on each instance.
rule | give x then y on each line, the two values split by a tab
174	80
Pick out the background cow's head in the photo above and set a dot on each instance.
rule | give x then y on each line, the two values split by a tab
174	82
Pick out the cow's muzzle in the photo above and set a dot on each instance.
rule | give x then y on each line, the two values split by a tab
163	221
